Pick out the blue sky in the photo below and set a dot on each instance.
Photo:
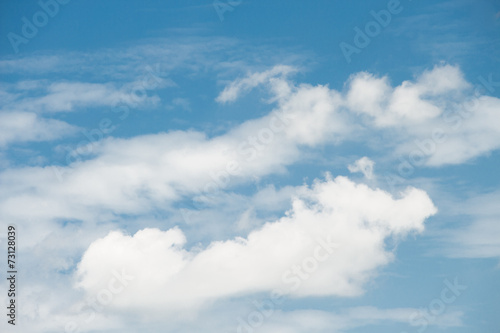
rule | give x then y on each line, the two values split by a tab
251	166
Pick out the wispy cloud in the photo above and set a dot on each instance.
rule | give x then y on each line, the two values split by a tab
238	87
479	236
26	126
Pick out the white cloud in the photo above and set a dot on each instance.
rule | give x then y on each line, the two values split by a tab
272	199
410	103
150	172
436	120
363	165
37	64
236	88
355	217
66	96
366	95
127	176
440	80
27	126
22	103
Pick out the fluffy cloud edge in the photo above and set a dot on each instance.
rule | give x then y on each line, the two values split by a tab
329	244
